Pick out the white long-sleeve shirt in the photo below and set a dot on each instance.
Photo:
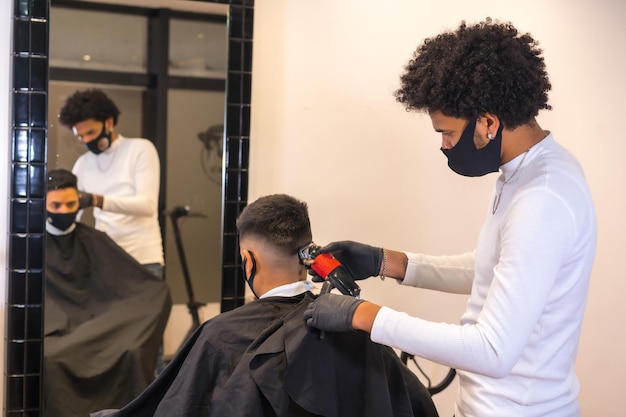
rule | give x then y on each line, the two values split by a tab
128	176
528	278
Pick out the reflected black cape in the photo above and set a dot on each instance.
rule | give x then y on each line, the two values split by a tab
261	359
105	315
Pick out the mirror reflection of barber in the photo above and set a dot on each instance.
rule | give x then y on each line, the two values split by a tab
119	177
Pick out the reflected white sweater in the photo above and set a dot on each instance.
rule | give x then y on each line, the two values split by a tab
528	279
128	176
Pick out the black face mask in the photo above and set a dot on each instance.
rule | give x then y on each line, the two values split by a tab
61	221
465	159
101	143
250	280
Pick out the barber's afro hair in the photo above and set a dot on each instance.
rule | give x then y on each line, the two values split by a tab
487	67
88	104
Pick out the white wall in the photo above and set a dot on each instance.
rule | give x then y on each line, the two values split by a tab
326	129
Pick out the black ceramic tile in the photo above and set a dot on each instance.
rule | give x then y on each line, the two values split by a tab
33	355
246	88
34	288
20	181
37	216
236	22
247	56
37	180
21	72
38	109
231	212
16	323
22	8
228	283
21	139
39	9
245	154
34	323
17	288
17	252
248	23
32	391
21	110
38	73
35	251
15	393
235	85
16	351
233	152
233	120
21	36
245	120
19	216
39	38
37	149
235	53
243	185
232	186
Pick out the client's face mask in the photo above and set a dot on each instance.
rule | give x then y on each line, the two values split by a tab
250	279
101	143
61	221
465	159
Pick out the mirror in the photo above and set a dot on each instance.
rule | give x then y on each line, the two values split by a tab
29	134
118	63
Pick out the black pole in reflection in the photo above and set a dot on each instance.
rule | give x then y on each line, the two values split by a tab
192	304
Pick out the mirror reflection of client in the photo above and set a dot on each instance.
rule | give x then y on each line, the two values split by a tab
104	313
261	359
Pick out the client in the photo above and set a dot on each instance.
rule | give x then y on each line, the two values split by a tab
104	313
261	359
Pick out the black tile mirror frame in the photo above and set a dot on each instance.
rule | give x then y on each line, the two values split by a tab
28	166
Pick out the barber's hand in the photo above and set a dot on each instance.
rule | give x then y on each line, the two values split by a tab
332	312
360	260
85	200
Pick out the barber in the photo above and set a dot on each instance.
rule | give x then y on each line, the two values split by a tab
118	176
527	279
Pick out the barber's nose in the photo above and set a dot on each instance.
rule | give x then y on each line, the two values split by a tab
446	143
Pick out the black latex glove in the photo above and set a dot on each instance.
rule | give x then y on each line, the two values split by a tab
85	200
360	260
332	312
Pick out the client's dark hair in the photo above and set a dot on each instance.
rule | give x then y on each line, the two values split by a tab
88	104
59	179
279	219
475	69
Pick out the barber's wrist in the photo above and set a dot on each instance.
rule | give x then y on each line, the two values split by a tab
98	200
394	264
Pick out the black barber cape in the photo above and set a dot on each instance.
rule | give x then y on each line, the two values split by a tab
261	359
105	315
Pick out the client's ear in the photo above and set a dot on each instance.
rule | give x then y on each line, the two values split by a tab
245	265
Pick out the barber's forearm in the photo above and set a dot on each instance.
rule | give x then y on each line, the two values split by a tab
139	205
364	316
394	264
